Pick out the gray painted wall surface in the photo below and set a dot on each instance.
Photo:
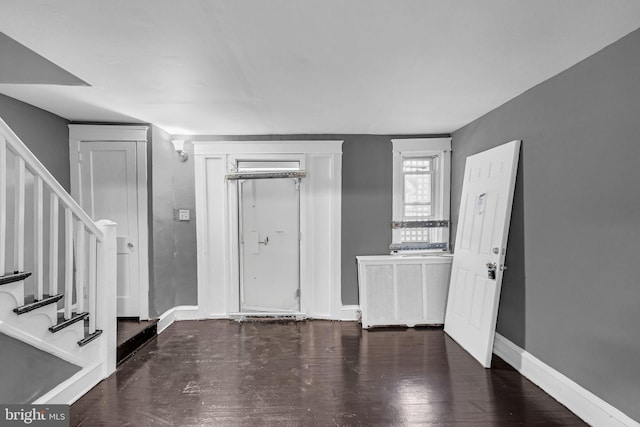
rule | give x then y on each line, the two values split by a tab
570	295
173	244
46	135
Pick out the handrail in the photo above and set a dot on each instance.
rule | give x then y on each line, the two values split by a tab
18	147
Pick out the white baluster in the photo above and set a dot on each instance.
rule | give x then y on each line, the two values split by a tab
91	292
53	244
3	205
38	217
80	267
18	258
68	262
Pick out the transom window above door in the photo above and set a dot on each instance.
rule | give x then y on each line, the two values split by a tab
267	166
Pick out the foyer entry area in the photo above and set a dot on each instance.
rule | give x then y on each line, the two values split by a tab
225	373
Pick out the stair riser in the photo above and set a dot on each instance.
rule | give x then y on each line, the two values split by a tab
51	311
16	290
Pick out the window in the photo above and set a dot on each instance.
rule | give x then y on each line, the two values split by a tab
421	194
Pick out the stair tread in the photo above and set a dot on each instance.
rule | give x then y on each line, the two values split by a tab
87	339
14	277
32	304
63	323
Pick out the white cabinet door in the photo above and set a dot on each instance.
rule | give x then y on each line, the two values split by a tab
481	242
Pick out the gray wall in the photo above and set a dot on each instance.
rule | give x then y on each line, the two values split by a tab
46	135
570	296
173	251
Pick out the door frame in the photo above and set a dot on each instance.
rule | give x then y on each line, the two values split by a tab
117	133
320	223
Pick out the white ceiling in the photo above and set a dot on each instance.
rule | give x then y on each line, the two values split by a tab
303	66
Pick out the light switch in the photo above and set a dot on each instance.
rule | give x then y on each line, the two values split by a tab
183	215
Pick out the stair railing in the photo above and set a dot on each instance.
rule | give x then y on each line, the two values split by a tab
84	257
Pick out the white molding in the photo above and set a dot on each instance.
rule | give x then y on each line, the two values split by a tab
125	133
350	313
421	144
320	223
440	147
580	401
181	312
73	388
143	231
120	133
256	147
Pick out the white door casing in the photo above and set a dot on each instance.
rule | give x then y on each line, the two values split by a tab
269	245
217	223
481	240
109	181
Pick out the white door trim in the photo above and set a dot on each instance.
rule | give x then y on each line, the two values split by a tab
320	223
136	135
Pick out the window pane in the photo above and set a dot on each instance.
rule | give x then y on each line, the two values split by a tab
417	164
417	188
416	235
417	211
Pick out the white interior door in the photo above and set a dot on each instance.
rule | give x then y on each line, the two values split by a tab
269	245
109	190
480	248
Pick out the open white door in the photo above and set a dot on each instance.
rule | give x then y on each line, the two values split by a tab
480	248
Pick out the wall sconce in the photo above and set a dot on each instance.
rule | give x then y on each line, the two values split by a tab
178	144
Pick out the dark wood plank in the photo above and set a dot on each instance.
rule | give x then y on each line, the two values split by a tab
224	373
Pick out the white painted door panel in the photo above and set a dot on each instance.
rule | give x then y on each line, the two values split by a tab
270	245
108	187
481	239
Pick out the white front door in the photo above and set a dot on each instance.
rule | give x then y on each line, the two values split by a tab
480	248
269	245
109	190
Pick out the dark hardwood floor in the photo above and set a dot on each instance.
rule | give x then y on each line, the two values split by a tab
224	373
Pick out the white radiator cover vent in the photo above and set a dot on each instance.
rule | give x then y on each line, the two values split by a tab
403	290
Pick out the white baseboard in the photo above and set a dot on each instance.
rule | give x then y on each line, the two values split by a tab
181	312
350	313
191	312
586	405
73	388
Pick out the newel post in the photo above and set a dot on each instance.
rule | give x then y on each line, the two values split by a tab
106	293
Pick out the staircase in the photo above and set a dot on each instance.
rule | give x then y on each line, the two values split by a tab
57	272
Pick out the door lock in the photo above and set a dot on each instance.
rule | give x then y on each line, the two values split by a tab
491	270
265	241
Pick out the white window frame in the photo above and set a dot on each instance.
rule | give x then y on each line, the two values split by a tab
423	147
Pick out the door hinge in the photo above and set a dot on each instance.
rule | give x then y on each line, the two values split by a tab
300	236
79	158
297	293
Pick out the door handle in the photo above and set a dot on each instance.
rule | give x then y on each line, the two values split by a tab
130	245
491	270
265	241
